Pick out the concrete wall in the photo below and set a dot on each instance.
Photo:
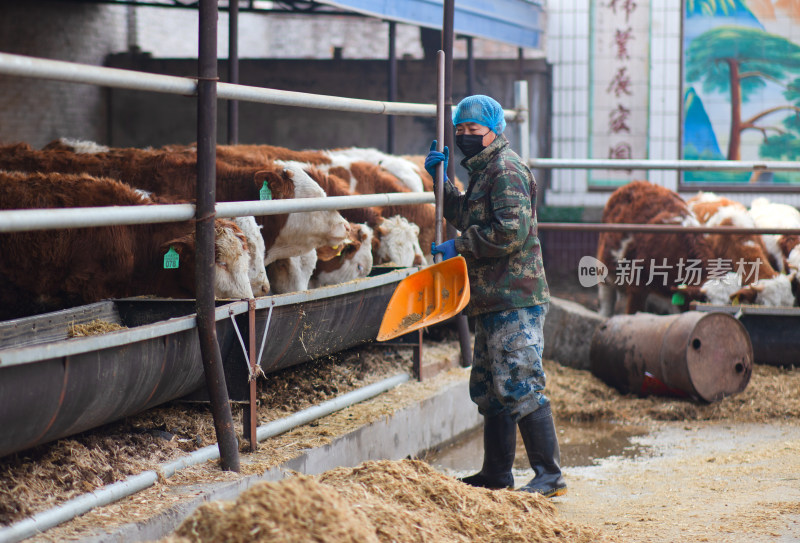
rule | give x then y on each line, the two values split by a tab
140	119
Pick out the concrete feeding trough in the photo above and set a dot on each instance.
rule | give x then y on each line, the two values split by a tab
703	356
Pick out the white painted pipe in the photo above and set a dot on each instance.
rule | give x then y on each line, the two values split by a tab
653	164
326	408
110	493
21	220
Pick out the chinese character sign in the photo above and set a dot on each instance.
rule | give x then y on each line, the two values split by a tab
619	86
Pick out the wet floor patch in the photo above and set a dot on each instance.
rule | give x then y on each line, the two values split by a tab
582	444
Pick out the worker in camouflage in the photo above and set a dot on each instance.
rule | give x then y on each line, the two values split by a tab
509	296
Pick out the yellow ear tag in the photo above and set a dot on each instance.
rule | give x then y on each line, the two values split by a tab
171	259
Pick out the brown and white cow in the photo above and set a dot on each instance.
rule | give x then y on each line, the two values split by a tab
75	266
746	254
401	168
661	257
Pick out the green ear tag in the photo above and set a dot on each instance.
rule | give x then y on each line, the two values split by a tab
265	193
678	298
171	259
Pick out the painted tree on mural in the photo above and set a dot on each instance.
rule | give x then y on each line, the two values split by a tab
739	61
786	145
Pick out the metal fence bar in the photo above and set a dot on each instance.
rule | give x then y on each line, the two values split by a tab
23	220
73	72
647	164
661	228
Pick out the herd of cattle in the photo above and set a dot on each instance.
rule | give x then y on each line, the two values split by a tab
53	269
716	268
274	254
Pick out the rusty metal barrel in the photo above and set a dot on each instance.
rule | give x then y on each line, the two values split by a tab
704	356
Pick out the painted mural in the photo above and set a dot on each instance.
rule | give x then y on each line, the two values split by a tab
741	86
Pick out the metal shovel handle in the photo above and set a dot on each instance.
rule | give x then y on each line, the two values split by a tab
440	172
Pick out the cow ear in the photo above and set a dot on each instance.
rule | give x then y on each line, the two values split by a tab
376	244
328	253
182	246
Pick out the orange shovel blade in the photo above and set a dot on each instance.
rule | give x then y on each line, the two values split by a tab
431	295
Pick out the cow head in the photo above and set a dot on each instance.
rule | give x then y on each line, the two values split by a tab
256	271
232	259
230	255
399	242
354	261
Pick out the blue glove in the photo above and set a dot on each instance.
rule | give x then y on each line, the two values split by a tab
447	249
434	158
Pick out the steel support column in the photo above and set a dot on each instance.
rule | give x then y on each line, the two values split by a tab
205	214
392	76
233	70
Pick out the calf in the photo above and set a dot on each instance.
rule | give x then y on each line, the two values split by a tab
662	256
745	253
77	266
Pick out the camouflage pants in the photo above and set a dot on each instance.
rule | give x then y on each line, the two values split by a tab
507	374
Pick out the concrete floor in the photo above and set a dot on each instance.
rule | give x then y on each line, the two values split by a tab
675	482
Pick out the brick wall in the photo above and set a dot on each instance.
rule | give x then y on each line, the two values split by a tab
38	111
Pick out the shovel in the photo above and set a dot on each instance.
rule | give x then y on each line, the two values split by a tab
439	291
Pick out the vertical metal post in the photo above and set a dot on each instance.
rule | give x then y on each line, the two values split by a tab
440	173
447	47
470	66
205	215
392	76
523	113
233	69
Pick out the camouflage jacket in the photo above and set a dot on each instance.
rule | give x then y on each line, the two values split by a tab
497	219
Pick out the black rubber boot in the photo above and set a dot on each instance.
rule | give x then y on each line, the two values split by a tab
539	435
499	445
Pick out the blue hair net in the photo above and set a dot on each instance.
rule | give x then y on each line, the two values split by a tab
480	109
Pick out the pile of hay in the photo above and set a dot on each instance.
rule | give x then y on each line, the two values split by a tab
94	328
380	501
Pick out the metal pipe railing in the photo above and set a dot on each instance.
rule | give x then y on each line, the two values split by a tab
23	220
648	164
661	228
